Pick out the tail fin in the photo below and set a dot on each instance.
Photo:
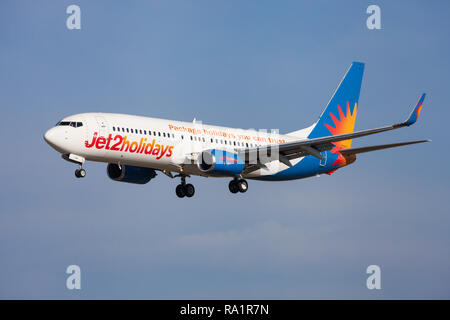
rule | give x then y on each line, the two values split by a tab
340	113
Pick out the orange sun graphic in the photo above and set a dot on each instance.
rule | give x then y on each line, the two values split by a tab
418	111
346	124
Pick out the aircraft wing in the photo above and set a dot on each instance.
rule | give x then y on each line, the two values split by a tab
351	151
314	146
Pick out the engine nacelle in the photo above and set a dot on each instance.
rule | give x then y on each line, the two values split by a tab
220	162
130	174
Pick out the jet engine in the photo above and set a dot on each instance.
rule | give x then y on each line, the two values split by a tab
130	174
220	163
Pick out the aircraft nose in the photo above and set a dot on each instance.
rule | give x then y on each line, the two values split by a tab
51	137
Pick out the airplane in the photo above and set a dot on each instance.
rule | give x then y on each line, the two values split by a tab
135	148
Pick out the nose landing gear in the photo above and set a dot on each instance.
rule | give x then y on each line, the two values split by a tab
79	160
80	173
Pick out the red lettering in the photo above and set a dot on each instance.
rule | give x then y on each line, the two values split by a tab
100	142
140	144
133	146
108	141
143	146
90	145
125	142
156	150
147	150
115	145
163	151
169	154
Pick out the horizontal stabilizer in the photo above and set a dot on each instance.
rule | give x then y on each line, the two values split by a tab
379	147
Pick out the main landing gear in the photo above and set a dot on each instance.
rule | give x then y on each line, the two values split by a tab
238	185
183	189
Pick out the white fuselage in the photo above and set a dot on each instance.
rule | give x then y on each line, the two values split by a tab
166	145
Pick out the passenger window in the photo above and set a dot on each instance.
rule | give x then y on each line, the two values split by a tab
234	142
140	131
246	144
154	133
182	137
132	131
145	132
191	138
128	130
164	134
159	133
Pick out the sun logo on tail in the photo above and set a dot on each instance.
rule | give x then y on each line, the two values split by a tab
418	111
345	124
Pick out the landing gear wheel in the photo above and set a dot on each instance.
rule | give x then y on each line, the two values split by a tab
180	191
233	186
242	185
80	173
189	190
183	189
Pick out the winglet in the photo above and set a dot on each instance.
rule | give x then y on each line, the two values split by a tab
415	113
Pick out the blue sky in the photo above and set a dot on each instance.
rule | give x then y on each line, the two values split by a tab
252	64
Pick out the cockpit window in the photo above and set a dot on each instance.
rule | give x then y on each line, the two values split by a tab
68	123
